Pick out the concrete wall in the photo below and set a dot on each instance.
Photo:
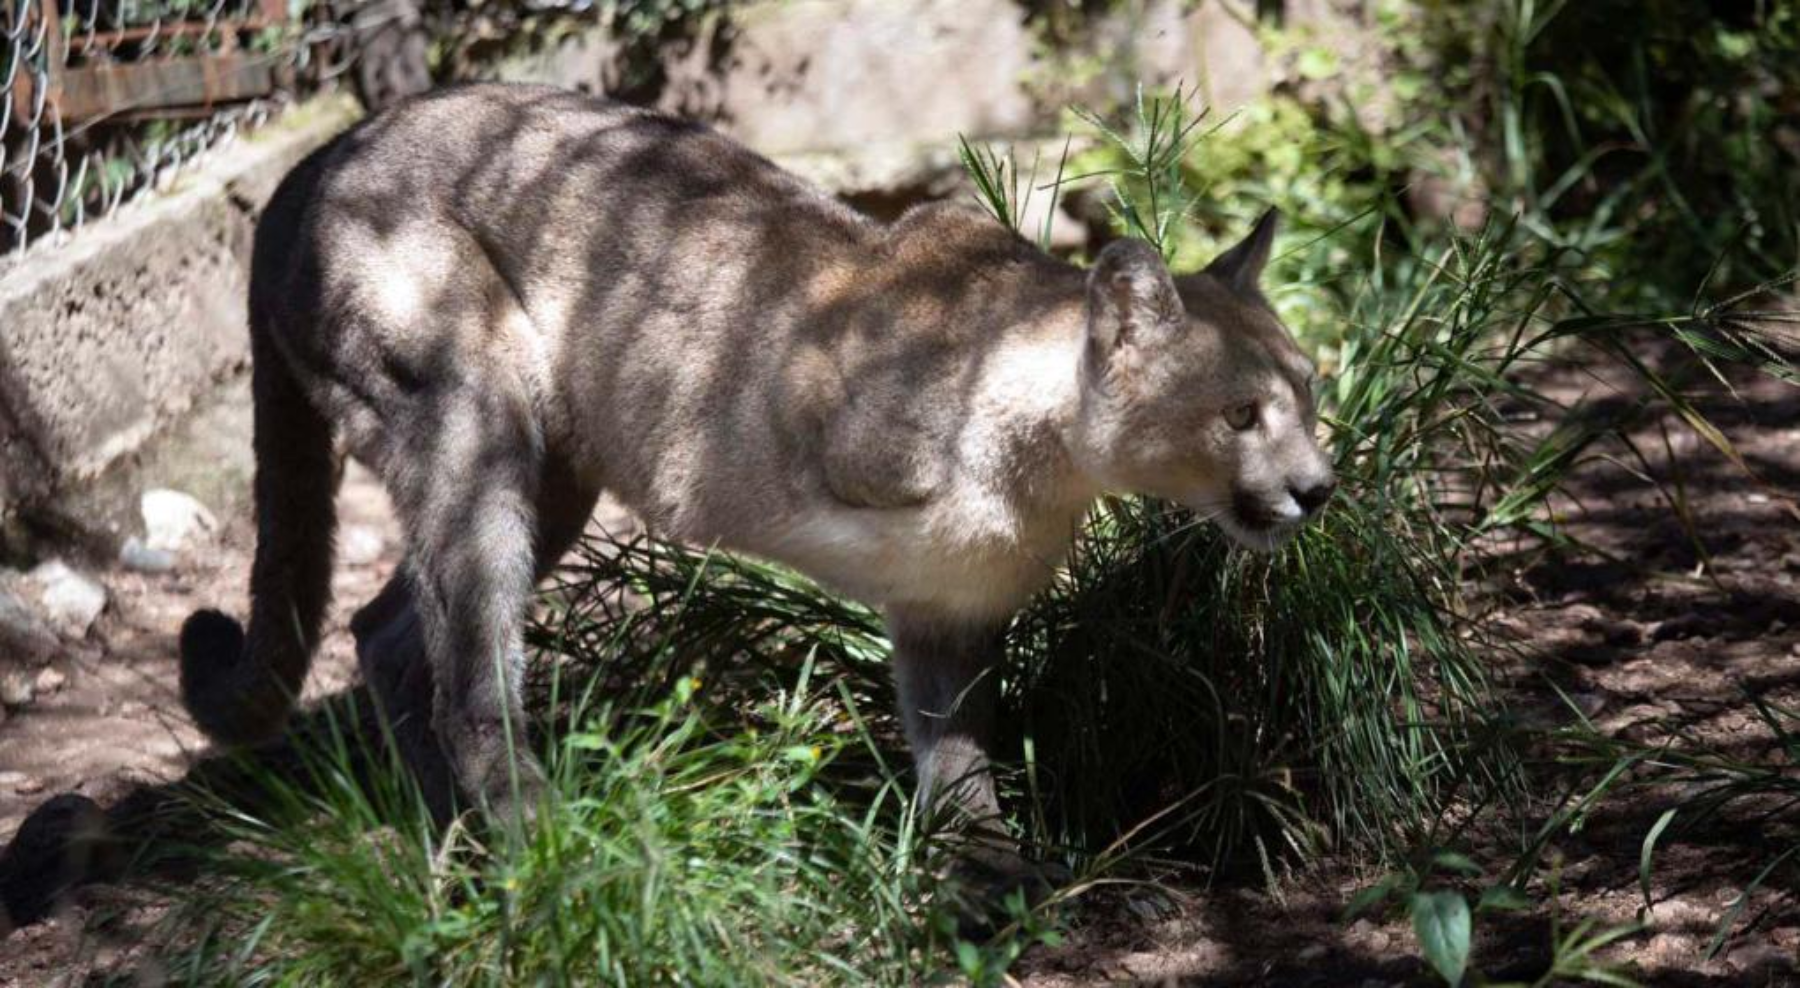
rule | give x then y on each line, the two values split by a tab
114	333
872	94
811	75
802	77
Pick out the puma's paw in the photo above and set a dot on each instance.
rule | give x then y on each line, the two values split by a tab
503	781
516	797
988	883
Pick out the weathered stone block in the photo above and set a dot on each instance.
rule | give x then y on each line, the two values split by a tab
800	76
109	334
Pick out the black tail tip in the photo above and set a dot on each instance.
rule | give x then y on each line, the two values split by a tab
214	687
210	641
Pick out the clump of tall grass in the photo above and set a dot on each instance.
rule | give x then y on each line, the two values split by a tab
687	843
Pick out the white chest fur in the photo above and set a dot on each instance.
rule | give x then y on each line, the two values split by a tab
936	557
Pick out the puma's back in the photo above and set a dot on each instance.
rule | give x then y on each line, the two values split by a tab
484	217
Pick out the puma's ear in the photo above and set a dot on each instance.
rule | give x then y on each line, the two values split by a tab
1130	295
1241	267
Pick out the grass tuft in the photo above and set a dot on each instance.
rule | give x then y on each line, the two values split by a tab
687	843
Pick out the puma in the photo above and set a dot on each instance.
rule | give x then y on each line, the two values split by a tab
506	300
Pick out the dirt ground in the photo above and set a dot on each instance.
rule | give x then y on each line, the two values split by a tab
1655	629
117	722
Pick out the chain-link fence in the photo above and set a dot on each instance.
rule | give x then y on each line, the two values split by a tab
103	99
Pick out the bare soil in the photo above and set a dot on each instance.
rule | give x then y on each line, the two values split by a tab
117	725
1661	627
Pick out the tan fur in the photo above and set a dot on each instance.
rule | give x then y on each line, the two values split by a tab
506	300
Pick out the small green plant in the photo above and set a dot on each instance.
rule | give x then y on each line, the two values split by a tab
1005	191
1151	198
985	965
1428	889
1441	917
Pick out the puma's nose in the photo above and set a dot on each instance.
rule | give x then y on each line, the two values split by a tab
1311	499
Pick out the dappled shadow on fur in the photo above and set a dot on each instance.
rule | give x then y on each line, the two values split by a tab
684	255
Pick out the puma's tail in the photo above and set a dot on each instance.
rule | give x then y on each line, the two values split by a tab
240	688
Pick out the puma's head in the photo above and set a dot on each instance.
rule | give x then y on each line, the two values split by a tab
1193	390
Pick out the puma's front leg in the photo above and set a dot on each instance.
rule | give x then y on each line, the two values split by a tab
946	672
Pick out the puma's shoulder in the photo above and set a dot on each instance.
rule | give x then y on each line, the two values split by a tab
872	461
908	385
955	242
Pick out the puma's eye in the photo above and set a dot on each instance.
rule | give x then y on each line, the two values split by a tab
1241	417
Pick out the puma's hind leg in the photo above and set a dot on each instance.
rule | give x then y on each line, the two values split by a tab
467	499
393	656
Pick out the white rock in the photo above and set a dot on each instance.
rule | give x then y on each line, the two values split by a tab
173	521
23	635
360	545
49	681
70	600
16	689
135	555
14	613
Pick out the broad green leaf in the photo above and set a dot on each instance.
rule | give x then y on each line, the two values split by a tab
1455	861
1370	897
1441	920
